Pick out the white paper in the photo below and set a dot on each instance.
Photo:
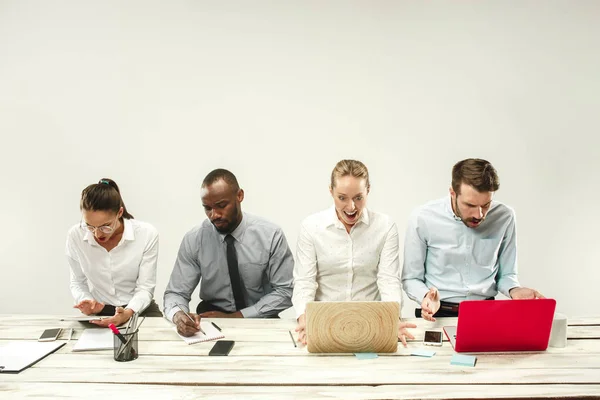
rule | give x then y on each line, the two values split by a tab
95	339
15	356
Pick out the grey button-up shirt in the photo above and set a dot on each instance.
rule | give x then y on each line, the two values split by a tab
265	264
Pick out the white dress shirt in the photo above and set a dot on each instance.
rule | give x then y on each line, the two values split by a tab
126	275
334	265
462	263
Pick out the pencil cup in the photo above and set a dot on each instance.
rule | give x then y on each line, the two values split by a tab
558	334
127	351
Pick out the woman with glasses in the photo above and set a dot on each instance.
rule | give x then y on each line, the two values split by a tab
112	258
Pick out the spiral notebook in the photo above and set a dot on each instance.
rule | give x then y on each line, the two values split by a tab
212	333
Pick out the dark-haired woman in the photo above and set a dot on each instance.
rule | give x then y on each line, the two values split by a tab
112	258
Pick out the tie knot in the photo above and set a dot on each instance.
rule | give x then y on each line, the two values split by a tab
229	239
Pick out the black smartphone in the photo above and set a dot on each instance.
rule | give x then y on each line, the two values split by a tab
221	348
50	335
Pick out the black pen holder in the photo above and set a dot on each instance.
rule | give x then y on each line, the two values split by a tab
126	346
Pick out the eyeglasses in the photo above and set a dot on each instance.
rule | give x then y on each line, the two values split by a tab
106	229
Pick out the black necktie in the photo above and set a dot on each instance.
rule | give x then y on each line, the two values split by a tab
234	274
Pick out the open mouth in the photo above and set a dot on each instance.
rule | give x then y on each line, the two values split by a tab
351	216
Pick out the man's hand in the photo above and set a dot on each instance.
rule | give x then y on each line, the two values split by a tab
185	326
430	304
525	293
301	329
219	314
121	316
403	333
89	307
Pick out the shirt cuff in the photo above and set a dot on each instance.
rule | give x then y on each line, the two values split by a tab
250	312
506	284
420	294
172	313
136	305
300	309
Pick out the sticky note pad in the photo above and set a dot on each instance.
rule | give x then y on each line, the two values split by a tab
465	361
366	356
422	353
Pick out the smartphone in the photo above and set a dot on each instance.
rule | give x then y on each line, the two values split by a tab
432	338
221	348
50	335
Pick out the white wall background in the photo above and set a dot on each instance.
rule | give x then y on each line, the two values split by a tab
155	94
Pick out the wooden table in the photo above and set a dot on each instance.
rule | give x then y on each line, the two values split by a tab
265	364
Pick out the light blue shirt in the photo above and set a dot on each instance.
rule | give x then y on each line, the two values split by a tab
462	263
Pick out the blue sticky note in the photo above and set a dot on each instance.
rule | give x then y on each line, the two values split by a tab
422	353
465	361
366	356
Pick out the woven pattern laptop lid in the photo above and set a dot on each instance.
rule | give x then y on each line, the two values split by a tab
352	327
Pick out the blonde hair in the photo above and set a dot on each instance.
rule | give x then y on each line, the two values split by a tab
350	167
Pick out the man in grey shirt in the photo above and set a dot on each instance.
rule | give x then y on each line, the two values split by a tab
243	262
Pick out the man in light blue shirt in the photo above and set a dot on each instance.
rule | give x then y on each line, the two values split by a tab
462	247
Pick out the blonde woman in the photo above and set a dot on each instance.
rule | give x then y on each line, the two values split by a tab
347	252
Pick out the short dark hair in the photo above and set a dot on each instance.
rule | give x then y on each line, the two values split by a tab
218	174
103	196
475	172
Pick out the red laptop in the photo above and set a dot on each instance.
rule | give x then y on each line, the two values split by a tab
502	325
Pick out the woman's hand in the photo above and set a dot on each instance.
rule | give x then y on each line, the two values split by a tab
301	329
89	307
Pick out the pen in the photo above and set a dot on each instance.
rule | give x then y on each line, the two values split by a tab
292	336
191	319
215	325
118	334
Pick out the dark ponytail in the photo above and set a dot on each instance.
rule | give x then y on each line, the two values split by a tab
103	196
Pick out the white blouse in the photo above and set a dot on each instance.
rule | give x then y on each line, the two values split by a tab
126	275
334	265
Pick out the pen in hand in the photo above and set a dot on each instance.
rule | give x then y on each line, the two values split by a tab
191	319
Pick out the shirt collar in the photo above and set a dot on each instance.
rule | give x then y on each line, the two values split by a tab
238	233
449	210
128	233
333	219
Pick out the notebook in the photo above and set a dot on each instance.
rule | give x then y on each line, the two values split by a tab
95	339
16	356
502	325
212	333
352	326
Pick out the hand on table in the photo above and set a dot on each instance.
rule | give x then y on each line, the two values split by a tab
525	293
301	329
